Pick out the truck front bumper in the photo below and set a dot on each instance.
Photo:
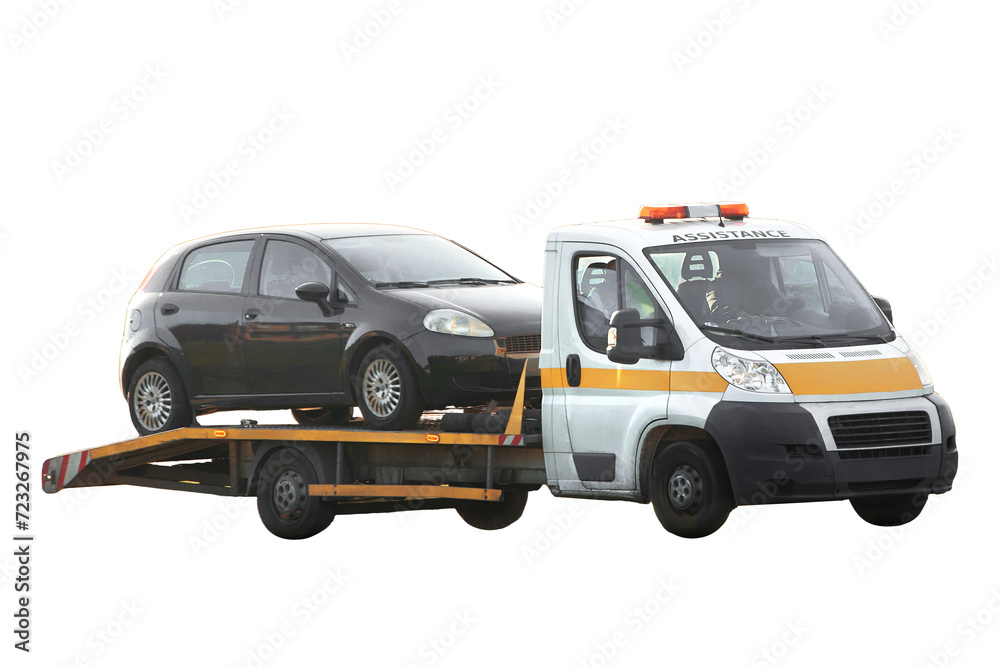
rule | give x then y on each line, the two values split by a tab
786	452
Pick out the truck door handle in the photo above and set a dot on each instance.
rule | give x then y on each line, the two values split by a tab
573	371
168	309
251	313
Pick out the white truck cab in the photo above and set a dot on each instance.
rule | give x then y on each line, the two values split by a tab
701	359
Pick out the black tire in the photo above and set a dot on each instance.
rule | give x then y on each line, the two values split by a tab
690	490
387	391
283	501
157	400
486	515
890	510
337	415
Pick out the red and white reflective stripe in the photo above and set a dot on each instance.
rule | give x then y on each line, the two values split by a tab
66	468
511	440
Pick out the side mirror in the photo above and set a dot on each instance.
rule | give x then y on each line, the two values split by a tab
883	305
317	293
625	344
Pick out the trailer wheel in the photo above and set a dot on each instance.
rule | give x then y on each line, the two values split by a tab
494	515
890	510
689	489
156	398
387	390
331	416
283	499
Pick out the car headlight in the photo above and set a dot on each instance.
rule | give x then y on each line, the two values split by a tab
749	374
456	323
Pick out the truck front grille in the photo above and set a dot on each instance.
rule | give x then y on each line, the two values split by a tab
881	429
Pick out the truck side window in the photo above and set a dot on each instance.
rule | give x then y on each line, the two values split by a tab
604	284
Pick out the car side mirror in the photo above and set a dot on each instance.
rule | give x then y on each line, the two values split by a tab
317	293
625	344
883	305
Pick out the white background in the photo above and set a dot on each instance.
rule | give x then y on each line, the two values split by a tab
865	97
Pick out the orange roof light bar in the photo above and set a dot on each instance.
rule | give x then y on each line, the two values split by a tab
681	211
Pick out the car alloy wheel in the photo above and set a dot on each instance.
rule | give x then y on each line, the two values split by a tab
381	387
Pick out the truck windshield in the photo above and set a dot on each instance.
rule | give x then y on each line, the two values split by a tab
758	294
416	260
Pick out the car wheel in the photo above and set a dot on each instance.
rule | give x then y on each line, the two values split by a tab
890	510
156	398
337	415
387	390
689	489
283	501
494	515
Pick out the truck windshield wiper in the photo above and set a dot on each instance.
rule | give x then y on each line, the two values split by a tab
735	332
823	338
403	284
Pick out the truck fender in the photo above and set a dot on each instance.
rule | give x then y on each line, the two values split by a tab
323	460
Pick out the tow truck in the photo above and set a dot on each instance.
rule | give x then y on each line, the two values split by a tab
693	358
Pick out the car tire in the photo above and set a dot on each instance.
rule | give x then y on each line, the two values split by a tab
387	391
486	515
337	415
283	501
156	398
690	490
890	510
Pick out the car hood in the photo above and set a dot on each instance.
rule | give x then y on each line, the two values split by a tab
507	309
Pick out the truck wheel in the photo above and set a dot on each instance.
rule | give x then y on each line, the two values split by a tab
387	390
283	499
494	515
337	415
689	489
890	510
156	398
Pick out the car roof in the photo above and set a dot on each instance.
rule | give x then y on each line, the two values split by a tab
318	231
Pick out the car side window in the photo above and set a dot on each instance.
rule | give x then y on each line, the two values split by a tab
287	265
219	267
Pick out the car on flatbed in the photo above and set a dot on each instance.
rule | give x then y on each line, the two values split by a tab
322	318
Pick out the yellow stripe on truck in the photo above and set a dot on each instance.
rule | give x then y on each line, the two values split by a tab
640	380
697	381
850	377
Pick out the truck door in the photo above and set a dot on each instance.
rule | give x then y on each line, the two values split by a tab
607	405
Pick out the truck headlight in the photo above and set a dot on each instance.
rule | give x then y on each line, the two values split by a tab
749	374
457	323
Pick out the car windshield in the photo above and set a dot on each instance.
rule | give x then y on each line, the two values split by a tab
755	294
415	260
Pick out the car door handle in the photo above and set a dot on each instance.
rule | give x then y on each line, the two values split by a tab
573	371
349	325
168	309
251	313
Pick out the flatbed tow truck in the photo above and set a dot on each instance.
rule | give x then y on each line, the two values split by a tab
693	358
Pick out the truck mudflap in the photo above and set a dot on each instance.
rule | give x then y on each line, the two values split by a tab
775	453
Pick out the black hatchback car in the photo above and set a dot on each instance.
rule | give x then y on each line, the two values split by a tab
320	318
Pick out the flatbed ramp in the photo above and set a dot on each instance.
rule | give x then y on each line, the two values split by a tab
219	460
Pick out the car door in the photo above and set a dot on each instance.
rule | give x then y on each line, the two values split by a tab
200	316
292	347
607	405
